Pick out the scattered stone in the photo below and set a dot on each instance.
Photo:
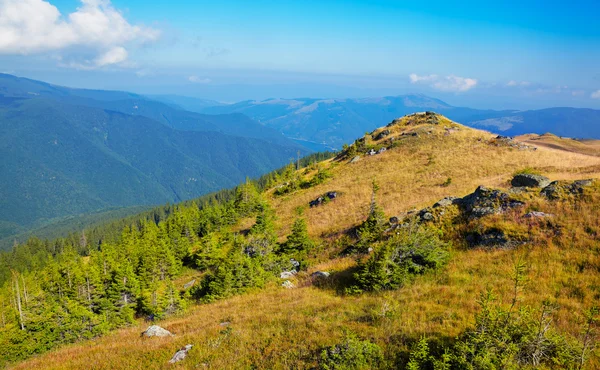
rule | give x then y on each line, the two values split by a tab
225	323
394	220
536	214
287	284
156	331
332	195
355	159
295	263
149	318
320	274
370	250
530	181
181	354
189	284
316	202
288	274
381	150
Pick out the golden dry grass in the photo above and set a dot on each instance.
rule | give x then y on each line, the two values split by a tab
278	328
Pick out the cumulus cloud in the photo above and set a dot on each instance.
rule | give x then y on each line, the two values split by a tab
36	26
595	94
199	80
449	83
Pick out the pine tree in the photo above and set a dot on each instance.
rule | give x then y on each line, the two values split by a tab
299	239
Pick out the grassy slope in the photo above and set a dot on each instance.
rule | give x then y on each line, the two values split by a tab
278	328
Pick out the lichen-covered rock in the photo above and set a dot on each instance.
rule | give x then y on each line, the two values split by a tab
181	354
492	239
560	189
484	201
287	274
320	274
445	202
382	134
530	181
156	331
536	214
287	284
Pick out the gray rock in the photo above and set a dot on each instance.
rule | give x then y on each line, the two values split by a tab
189	284
530	181
156	331
320	274
445	202
484	201
288	274
382	134
558	188
225	323
287	284
426	216
536	214
355	159
492	239
181	354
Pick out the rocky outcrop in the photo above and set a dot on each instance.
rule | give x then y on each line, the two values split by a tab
536	214
560	189
156	331
530	181
486	201
496	239
382	134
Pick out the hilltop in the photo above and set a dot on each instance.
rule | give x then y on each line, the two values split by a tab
333	122
405	242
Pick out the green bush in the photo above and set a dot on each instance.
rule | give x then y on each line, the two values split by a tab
410	252
352	354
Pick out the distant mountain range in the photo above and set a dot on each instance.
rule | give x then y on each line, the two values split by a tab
333	122
67	151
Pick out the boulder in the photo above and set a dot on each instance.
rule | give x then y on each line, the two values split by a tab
536	214
320	274
156	331
559	189
394	220
426	216
288	274
189	284
382	134
355	159
445	202
181	354
530	181
492	239
484	201
287	284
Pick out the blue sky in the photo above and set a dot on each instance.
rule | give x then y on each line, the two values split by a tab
521	54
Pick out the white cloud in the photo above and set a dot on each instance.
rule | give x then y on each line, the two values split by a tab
449	83
36	26
595	94
513	83
414	78
577	93
199	80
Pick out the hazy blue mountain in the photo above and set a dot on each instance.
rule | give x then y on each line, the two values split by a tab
186	102
65	153
333	122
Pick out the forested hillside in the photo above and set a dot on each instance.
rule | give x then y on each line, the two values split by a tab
424	244
68	152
